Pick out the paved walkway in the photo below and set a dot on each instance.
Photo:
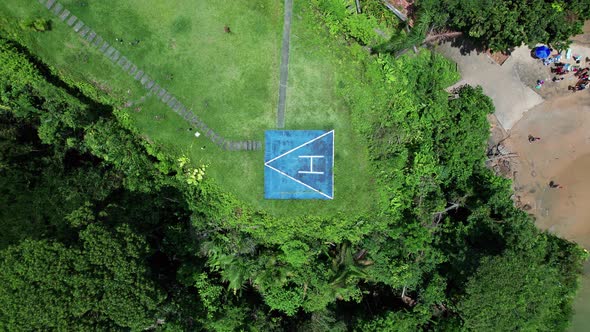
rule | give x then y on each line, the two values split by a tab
95	40
284	70
504	84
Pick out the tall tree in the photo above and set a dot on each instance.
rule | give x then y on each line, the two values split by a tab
101	284
502	25
513	292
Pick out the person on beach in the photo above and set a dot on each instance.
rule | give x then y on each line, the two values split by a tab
533	138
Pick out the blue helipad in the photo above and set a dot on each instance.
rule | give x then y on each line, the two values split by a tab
299	164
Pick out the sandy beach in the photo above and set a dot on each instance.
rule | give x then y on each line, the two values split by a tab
561	155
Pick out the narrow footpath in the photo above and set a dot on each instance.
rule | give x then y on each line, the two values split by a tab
284	70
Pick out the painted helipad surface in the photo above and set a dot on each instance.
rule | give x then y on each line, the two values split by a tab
299	164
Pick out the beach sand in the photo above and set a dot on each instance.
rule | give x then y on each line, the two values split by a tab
562	155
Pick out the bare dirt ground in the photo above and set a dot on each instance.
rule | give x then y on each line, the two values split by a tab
562	155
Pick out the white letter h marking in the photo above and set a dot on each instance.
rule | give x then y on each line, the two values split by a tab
311	171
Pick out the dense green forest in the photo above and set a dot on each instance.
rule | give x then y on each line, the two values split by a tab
104	231
490	24
503	25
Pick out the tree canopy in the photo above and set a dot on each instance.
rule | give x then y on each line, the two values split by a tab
524	293
503	25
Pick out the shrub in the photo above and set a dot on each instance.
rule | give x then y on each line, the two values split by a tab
37	24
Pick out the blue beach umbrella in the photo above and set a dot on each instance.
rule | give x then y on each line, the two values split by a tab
542	52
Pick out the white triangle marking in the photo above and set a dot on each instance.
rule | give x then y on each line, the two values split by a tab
296	148
300	182
300	146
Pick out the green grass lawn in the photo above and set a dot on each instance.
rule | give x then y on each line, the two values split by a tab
229	80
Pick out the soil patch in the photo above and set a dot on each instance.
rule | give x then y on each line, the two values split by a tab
498	57
561	155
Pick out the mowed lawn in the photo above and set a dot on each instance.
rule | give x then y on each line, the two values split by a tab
229	80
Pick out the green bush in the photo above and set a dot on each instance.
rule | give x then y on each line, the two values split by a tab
37	24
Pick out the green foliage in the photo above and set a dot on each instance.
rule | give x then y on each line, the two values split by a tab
81	217
107	140
460	136
512	292
209	294
295	253
27	94
283	299
38	25
362	27
46	285
402	321
321	321
405	39
502	25
25	301
341	19
59	192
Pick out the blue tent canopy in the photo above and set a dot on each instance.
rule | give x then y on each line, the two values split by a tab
542	52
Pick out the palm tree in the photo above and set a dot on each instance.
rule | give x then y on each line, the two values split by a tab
348	268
